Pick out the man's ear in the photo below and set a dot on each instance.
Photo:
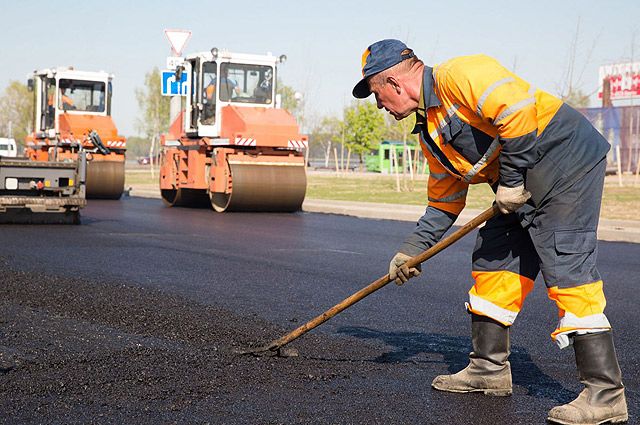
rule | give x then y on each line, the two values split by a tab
393	81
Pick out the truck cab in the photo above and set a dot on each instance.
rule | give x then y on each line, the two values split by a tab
219	78
231	145
64	90
72	112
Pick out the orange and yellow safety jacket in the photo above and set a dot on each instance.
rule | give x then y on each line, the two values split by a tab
480	123
64	99
210	91
504	114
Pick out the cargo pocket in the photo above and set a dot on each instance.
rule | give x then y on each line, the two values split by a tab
452	129
575	262
575	241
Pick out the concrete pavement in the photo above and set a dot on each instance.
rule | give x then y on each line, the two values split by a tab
609	230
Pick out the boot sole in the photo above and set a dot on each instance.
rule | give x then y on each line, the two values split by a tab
486	391
615	420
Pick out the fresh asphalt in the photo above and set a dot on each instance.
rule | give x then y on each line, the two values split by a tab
287	268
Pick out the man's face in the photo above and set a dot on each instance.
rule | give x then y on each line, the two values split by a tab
393	98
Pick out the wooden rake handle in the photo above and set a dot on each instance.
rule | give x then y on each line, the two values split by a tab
379	283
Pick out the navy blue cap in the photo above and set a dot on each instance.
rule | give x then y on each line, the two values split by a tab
376	58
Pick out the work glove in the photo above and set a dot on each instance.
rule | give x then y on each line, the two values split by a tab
510	199
399	272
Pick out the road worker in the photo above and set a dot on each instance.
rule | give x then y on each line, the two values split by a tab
209	111
480	123
228	87
210	91
65	102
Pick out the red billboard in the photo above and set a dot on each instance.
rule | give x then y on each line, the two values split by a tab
624	78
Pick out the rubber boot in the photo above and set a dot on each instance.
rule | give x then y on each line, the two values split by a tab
602	399
488	372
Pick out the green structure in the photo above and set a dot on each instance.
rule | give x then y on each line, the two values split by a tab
379	160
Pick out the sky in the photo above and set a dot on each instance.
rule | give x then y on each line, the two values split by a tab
323	39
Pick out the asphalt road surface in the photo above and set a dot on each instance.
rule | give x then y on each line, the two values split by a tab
134	316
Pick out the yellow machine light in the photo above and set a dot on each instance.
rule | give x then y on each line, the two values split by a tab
47	183
70	182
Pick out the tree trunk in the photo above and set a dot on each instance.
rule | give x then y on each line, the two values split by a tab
327	155
394	164
306	155
151	149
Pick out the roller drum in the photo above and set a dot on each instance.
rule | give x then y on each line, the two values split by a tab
194	198
258	187
105	179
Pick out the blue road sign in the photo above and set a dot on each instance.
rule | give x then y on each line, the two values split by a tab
171	87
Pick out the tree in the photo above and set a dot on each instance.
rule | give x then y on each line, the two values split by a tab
154	108
400	130
291	100
364	127
576	98
324	136
16	111
569	90
137	146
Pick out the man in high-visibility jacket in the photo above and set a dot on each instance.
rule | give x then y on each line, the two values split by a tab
480	123
65	101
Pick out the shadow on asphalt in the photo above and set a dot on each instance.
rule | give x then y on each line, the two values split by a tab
455	354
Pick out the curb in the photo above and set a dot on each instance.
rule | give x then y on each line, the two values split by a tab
608	230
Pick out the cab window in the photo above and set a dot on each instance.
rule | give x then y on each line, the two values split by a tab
48	110
80	95
246	83
209	92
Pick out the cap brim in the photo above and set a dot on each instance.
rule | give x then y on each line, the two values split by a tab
361	90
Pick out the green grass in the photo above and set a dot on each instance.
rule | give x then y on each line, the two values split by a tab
383	188
617	203
140	177
621	203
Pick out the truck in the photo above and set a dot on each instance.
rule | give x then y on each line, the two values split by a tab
42	191
8	147
72	114
231	146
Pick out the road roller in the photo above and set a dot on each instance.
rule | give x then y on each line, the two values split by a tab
231	146
73	114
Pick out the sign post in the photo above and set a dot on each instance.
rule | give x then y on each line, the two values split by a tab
178	40
176	89
171	86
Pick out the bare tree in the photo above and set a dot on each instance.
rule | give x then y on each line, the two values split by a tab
570	88
324	136
16	111
154	111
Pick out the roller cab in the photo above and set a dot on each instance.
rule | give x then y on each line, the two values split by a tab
231	147
73	114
